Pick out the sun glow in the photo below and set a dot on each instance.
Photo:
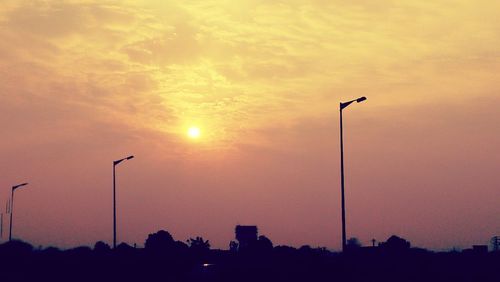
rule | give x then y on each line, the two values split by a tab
194	132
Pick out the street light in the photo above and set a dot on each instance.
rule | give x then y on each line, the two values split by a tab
343	106
12	206
115	163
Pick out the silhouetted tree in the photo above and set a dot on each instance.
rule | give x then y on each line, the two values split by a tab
395	243
82	250
198	244
124	249
305	249
179	246
159	241
264	244
285	252
51	251
353	243
259	246
233	246
285	249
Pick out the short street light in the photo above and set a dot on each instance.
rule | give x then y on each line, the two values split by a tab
12	206
115	163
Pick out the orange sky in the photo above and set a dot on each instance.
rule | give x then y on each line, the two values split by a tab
85	82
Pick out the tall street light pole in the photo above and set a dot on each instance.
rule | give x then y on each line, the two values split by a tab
12	207
343	106
115	163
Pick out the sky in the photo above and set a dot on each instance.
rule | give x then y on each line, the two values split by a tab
83	83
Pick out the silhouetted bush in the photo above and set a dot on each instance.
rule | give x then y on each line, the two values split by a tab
353	243
101	247
16	247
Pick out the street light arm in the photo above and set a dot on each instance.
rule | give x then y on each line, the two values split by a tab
19	185
121	160
345	104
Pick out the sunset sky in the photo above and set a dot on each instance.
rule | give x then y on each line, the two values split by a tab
83	83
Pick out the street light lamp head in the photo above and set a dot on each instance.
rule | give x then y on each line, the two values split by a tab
361	99
130	157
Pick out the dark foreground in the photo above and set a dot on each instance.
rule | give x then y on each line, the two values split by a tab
180	262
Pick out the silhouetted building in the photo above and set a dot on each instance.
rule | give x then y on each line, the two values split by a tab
480	249
246	235
476	249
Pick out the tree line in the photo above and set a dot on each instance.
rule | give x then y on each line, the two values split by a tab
165	259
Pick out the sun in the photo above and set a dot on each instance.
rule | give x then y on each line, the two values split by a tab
194	132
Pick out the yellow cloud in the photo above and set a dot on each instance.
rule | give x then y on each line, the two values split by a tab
161	64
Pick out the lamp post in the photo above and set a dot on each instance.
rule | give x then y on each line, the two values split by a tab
343	106
12	207
115	163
